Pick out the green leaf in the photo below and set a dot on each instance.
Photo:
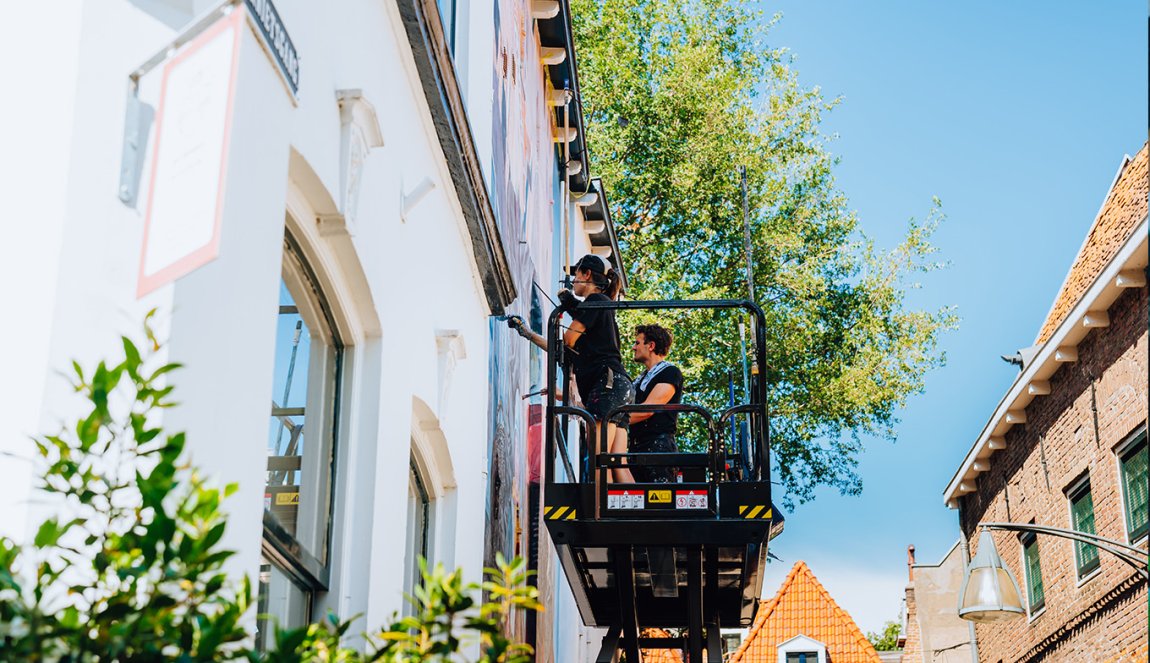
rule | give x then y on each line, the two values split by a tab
48	534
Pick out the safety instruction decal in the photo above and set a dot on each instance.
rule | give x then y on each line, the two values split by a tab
690	499
626	499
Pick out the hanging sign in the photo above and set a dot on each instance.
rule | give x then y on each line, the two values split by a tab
190	156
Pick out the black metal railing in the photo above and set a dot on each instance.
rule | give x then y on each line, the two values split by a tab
754	468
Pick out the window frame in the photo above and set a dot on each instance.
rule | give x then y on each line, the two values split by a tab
1125	449
418	476
1025	540
447	21
1079	489
310	571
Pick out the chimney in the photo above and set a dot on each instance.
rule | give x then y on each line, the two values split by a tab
910	562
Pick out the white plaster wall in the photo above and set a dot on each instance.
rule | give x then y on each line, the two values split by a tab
420	275
36	132
86	298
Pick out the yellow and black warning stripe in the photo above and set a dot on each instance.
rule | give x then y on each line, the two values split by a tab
755	511
559	512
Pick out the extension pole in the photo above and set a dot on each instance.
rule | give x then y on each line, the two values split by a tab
565	188
747	239
750	260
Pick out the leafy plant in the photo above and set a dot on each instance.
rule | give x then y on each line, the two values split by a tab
446	611
134	570
677	95
887	639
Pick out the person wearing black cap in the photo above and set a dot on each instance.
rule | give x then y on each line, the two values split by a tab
593	337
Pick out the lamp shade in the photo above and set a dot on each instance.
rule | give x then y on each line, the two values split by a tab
989	592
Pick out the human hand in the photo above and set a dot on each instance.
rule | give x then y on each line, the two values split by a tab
516	322
567	301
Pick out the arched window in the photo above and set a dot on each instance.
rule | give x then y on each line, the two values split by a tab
418	540
301	448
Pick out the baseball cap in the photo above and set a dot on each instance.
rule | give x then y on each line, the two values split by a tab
591	263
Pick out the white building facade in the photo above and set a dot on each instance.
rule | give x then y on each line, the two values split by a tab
331	206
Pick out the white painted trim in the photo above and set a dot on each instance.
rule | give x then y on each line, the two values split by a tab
801	643
1101	294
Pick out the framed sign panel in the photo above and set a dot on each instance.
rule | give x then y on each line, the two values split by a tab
190	156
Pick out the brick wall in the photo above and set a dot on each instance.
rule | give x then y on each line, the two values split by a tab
1103	617
912	650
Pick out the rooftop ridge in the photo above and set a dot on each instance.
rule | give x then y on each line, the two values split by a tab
1123	208
821	619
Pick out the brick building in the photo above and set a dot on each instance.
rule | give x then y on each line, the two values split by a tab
1066	448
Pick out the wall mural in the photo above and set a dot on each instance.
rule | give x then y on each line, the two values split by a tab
523	181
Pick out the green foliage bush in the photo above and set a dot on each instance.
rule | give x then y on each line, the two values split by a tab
135	572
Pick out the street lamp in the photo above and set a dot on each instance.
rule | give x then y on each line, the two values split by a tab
989	592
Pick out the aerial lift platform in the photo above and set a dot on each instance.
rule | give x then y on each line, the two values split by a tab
687	555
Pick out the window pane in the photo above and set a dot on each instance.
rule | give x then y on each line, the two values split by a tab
303	408
286	440
418	541
1082	513
281	603
802	657
447	16
1035	592
1134	478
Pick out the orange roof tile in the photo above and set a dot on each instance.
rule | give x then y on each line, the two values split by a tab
659	655
1122	211
804	607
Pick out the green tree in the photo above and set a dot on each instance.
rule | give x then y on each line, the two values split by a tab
677	94
134	571
887	640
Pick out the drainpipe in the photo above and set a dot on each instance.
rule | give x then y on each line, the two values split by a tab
965	546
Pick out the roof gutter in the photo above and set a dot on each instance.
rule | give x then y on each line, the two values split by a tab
445	101
1125	270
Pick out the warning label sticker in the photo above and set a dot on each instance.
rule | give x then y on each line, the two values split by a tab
690	499
626	499
287	499
659	496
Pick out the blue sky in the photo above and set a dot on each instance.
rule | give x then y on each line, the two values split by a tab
1016	115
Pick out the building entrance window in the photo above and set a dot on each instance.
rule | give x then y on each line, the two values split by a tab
301	446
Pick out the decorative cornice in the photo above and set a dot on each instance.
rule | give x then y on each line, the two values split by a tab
1060	348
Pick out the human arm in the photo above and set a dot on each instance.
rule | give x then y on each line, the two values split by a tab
574	331
661	394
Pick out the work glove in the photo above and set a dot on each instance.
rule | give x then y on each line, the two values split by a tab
515	322
567	301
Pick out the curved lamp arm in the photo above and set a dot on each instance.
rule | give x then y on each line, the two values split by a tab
1135	557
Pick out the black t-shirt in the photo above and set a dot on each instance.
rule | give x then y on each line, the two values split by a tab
596	349
660	422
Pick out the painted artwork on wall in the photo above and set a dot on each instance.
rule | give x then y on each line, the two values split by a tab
524	170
